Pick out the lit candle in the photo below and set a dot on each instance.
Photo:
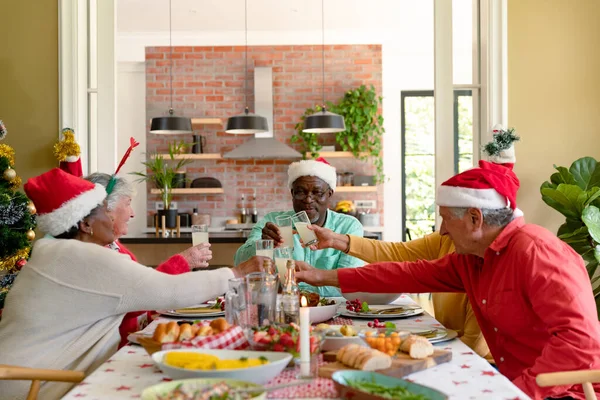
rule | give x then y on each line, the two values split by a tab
304	338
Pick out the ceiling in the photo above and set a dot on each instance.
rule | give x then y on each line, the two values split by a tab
270	15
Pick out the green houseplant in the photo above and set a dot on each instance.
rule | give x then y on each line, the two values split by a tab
364	126
161	172
575	193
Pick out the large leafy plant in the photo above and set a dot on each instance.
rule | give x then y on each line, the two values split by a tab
161	172
575	193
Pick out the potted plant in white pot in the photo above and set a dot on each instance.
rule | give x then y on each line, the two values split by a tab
162	171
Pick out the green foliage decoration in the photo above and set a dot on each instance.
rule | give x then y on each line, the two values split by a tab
575	193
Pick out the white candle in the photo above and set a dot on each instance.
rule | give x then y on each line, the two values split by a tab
304	338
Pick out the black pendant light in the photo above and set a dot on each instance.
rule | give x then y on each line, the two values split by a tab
171	125
324	121
246	123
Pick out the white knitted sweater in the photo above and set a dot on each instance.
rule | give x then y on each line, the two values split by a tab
65	307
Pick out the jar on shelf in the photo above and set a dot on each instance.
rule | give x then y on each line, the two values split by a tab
339	179
348	179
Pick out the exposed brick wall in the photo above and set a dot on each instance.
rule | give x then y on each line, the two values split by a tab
209	82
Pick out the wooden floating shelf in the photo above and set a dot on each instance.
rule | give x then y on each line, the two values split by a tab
203	156
347	189
192	191
336	154
207	121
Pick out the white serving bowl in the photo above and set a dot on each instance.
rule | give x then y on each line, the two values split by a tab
373	298
160	390
323	313
260	374
332	343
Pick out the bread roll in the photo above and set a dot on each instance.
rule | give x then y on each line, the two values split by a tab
205	330
185	332
364	358
166	333
219	325
416	347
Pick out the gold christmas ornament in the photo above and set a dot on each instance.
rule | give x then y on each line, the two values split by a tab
8	263
31	208
30	235
8	152
15	184
67	146
10	174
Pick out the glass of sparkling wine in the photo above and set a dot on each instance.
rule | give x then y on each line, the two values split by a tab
199	234
265	248
284	223
282	255
301	222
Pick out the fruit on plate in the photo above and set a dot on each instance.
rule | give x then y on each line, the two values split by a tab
344	206
282	338
357	306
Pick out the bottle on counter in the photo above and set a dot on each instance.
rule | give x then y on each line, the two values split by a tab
254	211
243	213
195	217
290	303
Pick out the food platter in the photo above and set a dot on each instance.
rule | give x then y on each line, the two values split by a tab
385	312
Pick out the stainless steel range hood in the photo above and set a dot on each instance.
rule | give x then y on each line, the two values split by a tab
263	145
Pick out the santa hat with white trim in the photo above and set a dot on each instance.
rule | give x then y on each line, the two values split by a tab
493	185
62	200
319	168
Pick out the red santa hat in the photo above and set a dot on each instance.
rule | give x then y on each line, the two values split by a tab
489	186
62	200
319	168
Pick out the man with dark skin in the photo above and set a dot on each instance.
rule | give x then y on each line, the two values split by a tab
311	183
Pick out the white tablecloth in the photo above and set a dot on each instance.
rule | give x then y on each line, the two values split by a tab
467	376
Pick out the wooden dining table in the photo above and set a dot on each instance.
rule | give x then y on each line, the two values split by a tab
467	376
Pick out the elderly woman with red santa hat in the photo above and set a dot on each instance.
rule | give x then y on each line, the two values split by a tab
529	290
66	305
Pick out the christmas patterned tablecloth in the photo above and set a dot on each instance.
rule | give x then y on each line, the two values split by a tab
127	373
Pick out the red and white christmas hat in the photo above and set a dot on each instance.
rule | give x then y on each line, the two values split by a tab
318	167
489	186
62	199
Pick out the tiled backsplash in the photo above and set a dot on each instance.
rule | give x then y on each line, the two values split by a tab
209	82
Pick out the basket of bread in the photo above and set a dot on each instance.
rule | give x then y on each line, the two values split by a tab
216	334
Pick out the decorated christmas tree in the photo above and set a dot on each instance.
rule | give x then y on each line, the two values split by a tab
17	221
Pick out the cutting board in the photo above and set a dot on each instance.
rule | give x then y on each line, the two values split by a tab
402	364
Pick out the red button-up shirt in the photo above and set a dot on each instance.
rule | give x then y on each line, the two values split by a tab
531	294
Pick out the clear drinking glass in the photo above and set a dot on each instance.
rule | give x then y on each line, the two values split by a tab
199	234
265	248
284	223
235	303
301	222
261	299
282	255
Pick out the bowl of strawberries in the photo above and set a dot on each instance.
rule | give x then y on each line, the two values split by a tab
284	338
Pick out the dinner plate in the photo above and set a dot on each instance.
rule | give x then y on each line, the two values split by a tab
200	311
409	311
434	335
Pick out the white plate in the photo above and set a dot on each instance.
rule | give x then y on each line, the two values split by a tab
260	374
373	298
157	392
192	314
331	343
323	313
372	315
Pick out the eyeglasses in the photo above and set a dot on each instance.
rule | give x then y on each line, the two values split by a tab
302	194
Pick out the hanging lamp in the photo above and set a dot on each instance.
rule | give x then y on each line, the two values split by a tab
324	121
246	123
170	125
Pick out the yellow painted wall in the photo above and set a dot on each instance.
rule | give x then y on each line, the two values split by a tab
29	82
553	92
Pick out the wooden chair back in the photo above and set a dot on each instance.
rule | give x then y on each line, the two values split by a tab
36	376
583	378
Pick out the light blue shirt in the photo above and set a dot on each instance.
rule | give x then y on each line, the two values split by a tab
322	259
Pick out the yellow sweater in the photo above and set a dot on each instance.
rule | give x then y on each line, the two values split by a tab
453	310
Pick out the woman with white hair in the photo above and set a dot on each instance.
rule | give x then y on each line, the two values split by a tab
118	204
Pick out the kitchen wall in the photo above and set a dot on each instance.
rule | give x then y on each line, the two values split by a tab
554	92
209	82
29	83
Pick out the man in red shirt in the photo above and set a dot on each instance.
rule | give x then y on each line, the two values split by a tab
529	290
